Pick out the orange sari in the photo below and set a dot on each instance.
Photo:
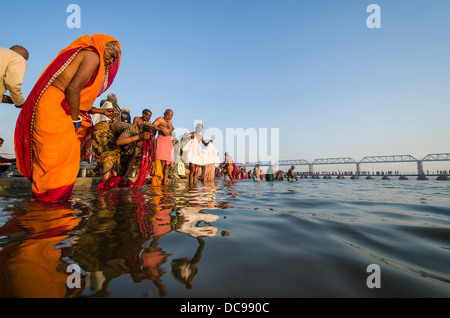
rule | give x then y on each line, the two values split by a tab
46	144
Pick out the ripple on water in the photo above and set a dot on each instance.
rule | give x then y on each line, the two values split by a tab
284	239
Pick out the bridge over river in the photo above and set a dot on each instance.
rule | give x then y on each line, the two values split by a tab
347	160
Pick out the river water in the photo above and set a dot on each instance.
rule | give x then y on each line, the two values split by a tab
243	239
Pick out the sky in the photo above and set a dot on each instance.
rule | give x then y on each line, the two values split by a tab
311	72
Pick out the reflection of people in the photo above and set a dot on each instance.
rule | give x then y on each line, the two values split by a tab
34	269
46	142
164	148
185	269
13	66
191	217
153	257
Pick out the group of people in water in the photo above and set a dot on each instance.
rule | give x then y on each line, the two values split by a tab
125	150
58	126
256	174
127	153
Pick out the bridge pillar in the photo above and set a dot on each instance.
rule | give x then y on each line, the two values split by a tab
420	172
420	168
311	171
358	168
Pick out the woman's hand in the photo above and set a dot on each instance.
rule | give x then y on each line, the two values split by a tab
7	100
110	113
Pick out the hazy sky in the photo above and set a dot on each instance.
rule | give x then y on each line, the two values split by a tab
312	69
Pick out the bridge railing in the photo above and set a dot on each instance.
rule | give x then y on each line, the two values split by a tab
348	160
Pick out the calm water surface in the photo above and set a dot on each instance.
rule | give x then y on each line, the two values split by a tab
311	238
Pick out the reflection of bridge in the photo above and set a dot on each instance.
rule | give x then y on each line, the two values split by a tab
347	160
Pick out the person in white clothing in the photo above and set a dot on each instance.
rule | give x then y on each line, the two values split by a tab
194	166
110	102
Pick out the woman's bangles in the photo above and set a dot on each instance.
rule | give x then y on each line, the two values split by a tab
77	123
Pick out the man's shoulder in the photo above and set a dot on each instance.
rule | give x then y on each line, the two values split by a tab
88	55
5	52
12	58
89	52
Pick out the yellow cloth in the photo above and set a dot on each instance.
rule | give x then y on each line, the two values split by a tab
157	173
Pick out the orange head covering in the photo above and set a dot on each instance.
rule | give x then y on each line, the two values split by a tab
98	84
105	75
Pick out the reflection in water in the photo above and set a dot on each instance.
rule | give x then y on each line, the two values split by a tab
195	223
190	222
305	239
152	259
34	267
114	242
116	233
185	269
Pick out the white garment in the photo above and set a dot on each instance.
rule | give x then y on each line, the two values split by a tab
193	153
12	72
180	168
100	117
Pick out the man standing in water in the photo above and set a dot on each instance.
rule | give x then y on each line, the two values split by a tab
228	166
164	148
193	167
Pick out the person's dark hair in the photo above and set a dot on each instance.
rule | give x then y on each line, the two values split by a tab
20	50
147	128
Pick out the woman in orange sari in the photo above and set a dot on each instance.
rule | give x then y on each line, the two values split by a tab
56	115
